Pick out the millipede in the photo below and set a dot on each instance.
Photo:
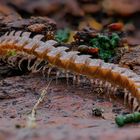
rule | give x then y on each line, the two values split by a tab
42	55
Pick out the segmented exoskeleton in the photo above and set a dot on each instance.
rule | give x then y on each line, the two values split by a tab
37	52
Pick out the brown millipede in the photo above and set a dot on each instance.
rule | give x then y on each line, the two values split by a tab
34	48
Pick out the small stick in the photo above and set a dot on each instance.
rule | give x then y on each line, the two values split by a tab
31	122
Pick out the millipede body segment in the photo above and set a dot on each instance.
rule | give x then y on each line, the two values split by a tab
73	62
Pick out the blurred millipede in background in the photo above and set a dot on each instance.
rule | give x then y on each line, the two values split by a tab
42	56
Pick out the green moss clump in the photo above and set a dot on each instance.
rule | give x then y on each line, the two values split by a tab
106	44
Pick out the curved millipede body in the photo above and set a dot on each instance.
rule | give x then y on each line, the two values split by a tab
72	62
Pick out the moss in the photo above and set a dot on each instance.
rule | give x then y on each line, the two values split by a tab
106	45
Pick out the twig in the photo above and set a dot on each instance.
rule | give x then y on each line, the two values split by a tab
31	122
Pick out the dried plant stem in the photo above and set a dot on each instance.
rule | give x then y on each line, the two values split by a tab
31	122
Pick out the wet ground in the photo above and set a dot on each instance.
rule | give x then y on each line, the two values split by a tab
65	113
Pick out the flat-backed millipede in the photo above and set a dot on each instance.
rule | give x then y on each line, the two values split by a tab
96	70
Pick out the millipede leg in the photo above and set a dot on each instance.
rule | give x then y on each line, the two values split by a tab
135	105
11	61
84	79
129	98
92	82
138	109
131	102
125	96
67	77
44	69
101	83
114	89
29	65
57	75
36	67
111	87
108	89
74	79
49	71
96	82
20	62
4	59
106	86
33	67
78	79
